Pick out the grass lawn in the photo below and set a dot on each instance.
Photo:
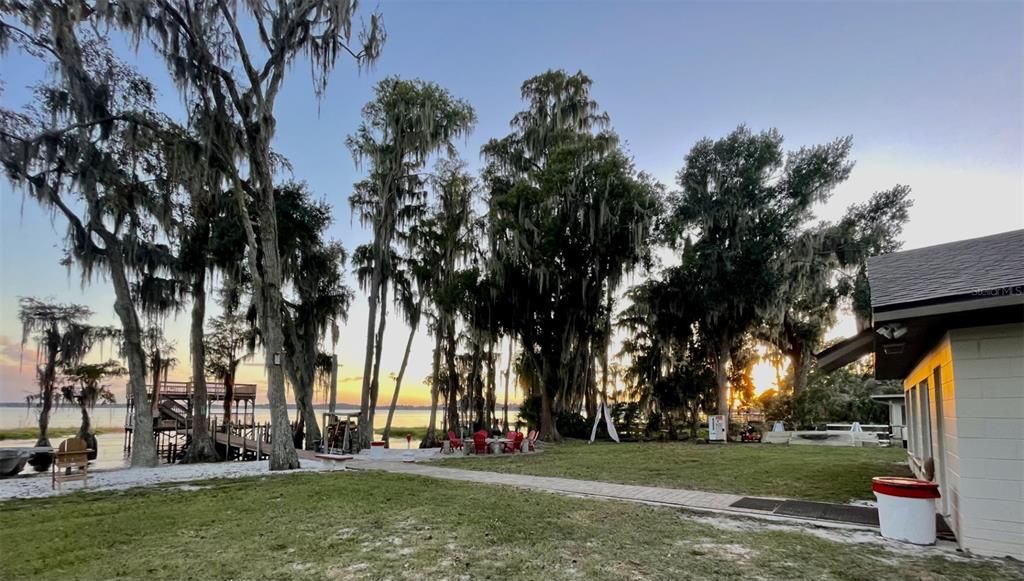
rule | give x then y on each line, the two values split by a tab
370	525
33	433
806	472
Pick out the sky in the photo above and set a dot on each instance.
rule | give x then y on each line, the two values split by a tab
932	93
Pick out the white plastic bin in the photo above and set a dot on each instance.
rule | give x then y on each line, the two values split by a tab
906	508
376	450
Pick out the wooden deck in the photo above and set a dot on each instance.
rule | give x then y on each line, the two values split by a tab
264	448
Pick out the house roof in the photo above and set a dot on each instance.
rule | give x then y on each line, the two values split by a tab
976	268
918	295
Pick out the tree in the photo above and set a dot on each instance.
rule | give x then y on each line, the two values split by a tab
208	55
405	124
826	267
209	242
743	201
568	217
82	385
158	352
318	297
229	341
63	338
670	367
88	150
410	293
445	240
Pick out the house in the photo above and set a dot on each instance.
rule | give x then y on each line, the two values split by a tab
948	321
896	403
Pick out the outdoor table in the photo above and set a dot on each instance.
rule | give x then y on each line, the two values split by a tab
498	444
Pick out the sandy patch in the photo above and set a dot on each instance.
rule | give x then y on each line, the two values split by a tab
38	485
944	549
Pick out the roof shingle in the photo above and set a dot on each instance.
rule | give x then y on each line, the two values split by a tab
991	263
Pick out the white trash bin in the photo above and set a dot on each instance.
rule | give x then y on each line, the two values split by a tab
376	450
906	508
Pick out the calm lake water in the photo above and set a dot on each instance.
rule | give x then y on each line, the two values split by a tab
110	445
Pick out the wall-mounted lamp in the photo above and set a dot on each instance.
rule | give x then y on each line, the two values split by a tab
277	359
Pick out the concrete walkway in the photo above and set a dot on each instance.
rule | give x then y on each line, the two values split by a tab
675	497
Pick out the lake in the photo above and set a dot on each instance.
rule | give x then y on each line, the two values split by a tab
110	445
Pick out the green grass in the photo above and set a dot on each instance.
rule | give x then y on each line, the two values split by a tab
33	433
418	433
807	472
369	525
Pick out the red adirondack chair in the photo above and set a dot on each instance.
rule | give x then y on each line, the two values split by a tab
480	442
456	443
516	444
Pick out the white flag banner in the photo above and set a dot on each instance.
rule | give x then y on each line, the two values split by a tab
607	413
611	423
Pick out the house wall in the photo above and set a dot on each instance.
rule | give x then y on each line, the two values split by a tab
949	466
989	364
975	433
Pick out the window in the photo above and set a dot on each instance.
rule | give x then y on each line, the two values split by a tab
912	421
925	412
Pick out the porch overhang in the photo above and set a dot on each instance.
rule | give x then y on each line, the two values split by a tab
847	351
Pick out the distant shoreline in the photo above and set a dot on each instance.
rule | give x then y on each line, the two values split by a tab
423	408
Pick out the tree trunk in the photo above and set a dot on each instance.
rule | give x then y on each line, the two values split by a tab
143	442
548	429
799	363
86	428
312	427
46	383
42	462
453	377
365	422
508	377
378	350
401	371
492	419
722	380
300	427
430	439
333	402
477	385
229	394
155	397
282	456
201	447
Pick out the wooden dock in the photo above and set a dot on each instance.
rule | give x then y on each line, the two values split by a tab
254	446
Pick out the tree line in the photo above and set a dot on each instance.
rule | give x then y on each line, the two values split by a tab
523	264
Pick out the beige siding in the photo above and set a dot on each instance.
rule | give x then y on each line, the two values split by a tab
989	365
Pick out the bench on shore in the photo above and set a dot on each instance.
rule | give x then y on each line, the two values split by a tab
333	458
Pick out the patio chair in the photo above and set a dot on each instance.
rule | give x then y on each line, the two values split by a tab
70	462
480	442
516	443
532	439
455	442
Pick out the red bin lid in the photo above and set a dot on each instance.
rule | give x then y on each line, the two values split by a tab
377	443
904	487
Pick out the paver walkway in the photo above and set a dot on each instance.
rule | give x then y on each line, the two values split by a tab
691	499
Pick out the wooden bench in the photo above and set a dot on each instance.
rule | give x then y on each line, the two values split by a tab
333	459
71	462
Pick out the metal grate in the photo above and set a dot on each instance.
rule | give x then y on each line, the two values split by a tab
765	504
862	515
